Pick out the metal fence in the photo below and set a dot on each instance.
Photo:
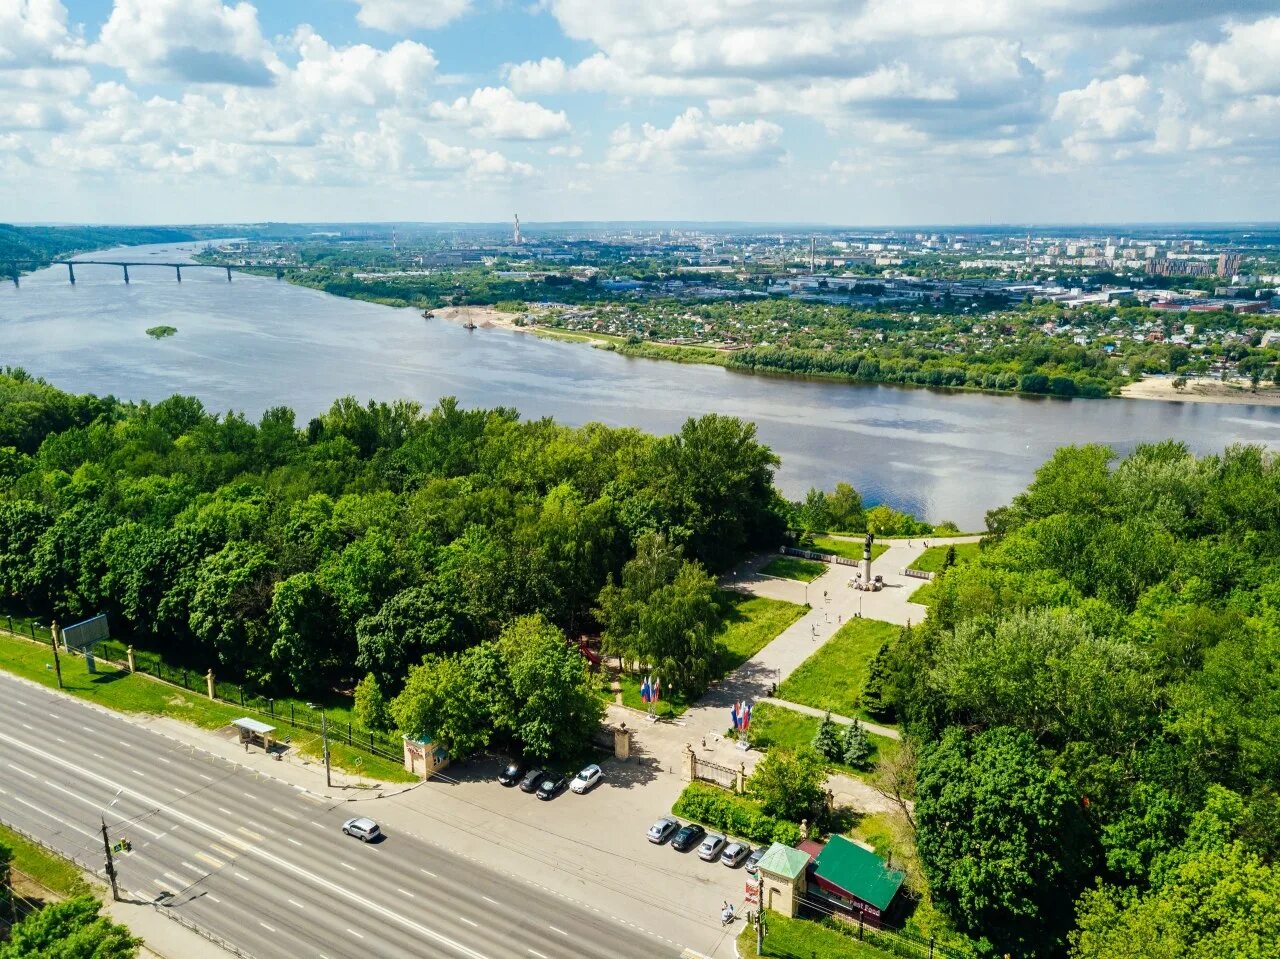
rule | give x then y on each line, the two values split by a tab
296	714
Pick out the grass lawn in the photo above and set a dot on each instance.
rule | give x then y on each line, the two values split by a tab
923	594
748	625
803	939
792	567
832	677
848	548
778	726
127	692
930	561
44	867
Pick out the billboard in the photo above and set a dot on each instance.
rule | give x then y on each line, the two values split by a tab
84	634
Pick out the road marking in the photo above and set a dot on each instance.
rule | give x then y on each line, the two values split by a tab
240	875
354	933
292	903
172	877
209	778
406	893
196	869
100	756
25	726
19	702
59	739
212	898
179	790
487	899
161	883
225	812
87	729
347	865
246	795
317	825
283	812
23	771
205	857
138	772
535	952
53	715
368	905
250	833
557	929
430	873
469	922
218	849
265	926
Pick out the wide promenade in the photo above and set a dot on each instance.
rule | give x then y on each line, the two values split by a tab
264	864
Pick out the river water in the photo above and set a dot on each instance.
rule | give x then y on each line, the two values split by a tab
257	342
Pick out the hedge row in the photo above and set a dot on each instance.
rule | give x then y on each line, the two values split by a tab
734	815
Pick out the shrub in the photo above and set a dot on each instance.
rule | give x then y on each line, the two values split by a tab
735	815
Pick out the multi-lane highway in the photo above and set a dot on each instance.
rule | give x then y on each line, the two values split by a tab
263	864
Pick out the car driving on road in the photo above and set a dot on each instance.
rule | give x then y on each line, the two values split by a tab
661	830
362	828
688	837
586	779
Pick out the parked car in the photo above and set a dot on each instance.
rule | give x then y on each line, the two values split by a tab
754	860
687	837
531	779
661	830
587	779
551	786
362	828
711	847
734	854
512	774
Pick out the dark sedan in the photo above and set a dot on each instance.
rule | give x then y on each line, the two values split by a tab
688	837
532	779
512	774
551	786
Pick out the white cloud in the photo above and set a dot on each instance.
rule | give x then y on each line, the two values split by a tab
397	16
694	141
33	32
359	74
498	113
1248	61
194	41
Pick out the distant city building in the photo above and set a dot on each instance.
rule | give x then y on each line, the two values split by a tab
1228	264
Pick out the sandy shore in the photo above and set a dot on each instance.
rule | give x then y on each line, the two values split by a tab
484	317
1201	391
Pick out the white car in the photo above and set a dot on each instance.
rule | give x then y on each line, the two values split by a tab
586	779
366	830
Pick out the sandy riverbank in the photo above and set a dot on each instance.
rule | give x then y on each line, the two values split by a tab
1201	391
484	317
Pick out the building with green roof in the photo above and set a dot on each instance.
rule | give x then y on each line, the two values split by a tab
853	879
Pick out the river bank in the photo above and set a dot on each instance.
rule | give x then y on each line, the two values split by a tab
1201	391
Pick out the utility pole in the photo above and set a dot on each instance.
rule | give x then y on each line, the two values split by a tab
111	864
57	664
324	736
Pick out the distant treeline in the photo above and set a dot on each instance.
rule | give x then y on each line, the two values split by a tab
27	247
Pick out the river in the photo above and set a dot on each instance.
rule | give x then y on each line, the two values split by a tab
257	342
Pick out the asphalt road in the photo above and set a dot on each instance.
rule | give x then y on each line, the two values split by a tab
261	863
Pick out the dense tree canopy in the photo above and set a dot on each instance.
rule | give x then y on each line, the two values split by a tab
1122	628
69	930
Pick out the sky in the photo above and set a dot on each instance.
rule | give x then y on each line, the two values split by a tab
842	112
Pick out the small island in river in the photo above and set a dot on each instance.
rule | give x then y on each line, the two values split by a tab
160	332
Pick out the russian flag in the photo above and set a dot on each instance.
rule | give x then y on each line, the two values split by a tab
646	691
746	715
656	692
736	718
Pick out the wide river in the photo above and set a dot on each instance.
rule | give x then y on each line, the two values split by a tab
257	342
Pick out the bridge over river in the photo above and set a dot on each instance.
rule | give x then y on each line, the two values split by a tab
124	265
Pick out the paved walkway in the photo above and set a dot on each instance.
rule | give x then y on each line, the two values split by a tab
887	731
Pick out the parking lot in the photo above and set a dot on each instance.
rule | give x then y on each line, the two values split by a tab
592	848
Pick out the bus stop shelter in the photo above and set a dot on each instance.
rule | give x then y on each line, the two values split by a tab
255	732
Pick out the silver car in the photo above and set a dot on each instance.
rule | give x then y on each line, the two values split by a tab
734	854
363	829
663	829
711	847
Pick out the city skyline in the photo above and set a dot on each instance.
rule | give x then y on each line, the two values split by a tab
463	111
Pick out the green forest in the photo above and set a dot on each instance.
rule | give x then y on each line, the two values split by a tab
1094	704
27	247
336	555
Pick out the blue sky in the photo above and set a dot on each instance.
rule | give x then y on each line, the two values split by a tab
830	111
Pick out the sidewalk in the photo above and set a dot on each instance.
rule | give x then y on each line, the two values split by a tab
886	731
